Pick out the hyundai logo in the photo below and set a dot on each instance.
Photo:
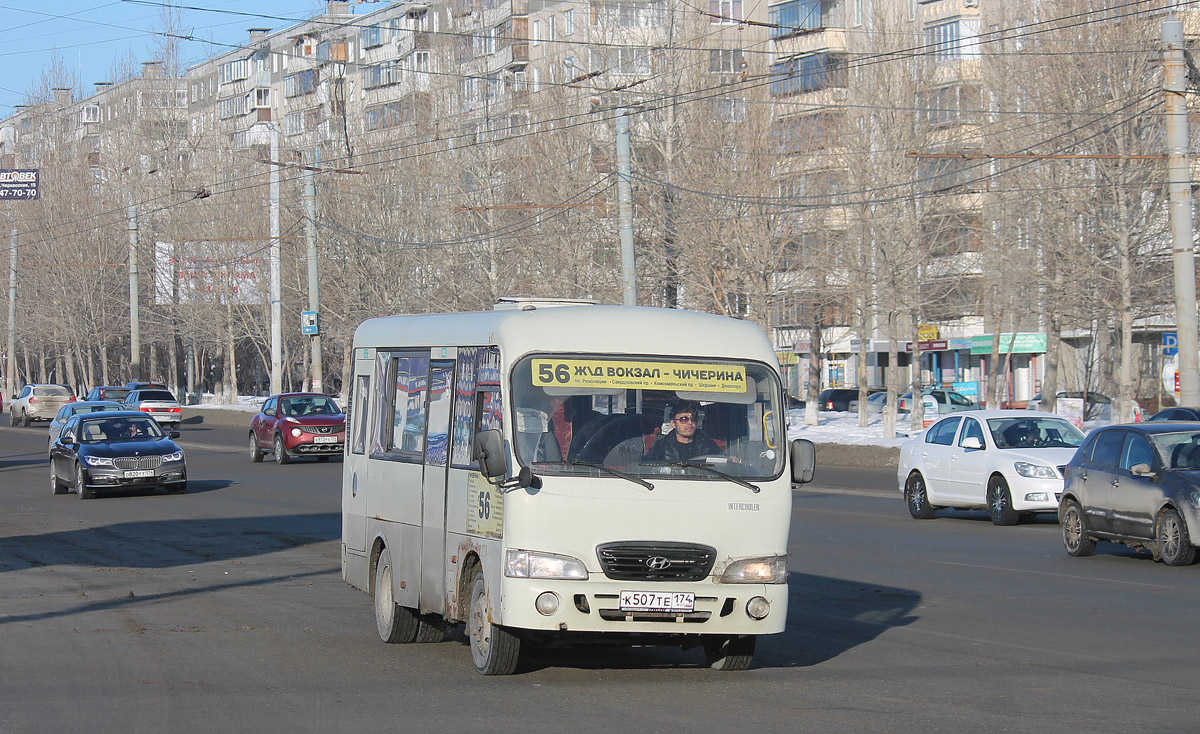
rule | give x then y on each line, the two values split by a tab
658	563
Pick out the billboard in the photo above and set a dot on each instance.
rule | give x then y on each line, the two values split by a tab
209	272
19	183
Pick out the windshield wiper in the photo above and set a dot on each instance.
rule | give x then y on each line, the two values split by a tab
700	465
614	472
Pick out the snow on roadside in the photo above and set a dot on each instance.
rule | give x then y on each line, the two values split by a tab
843	428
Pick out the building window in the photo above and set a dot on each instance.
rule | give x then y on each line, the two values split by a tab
724	61
293	123
798	16
232	106
262	97
958	39
233	71
724	11
731	109
90	113
372	36
537	32
568	22
951	105
807	74
304	82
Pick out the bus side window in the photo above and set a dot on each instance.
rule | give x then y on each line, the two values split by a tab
358	413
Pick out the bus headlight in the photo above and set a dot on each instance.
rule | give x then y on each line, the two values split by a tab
522	564
764	570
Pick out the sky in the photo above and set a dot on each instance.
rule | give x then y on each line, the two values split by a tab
91	36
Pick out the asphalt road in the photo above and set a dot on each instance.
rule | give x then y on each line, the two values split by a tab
224	610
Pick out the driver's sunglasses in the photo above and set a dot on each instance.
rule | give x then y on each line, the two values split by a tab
685	418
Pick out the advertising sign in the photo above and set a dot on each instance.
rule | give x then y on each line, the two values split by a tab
1071	409
969	389
19	183
208	272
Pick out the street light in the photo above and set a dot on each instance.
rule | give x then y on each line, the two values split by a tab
10	369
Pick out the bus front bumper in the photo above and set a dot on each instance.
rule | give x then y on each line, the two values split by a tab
591	606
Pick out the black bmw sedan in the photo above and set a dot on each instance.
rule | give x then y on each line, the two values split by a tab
115	450
1137	484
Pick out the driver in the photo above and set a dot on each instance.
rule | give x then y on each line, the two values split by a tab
685	441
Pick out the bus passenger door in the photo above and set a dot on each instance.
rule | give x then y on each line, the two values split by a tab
433	490
354	473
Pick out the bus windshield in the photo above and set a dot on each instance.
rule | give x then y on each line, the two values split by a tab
648	416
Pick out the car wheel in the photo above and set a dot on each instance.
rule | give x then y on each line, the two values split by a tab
1075	531
281	456
1173	542
394	622
25	419
56	486
256	453
729	653
12	418
1000	502
494	650
81	486
917	498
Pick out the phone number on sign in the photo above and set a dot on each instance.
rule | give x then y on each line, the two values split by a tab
18	193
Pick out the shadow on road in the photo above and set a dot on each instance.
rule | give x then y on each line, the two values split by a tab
826	617
168	543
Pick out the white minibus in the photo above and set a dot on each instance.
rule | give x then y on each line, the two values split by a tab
563	471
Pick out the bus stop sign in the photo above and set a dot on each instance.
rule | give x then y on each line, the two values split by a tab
308	323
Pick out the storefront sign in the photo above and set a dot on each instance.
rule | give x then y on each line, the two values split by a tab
1014	343
927	332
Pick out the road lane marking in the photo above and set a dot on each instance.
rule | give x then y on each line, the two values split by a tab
1059	575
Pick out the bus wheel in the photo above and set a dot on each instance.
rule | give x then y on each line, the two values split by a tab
394	622
729	653
494	649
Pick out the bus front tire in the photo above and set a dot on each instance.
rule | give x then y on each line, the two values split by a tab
394	622
729	653
494	650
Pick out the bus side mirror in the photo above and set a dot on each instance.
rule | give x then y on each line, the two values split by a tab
488	450
803	455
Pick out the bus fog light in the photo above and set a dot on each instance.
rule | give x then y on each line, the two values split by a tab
758	608
546	603
1037	497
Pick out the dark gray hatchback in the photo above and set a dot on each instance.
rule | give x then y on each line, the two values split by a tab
1137	484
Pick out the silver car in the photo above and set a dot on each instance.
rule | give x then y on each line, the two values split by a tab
80	406
37	403
156	402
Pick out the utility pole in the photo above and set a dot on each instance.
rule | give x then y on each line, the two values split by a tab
310	235
273	257
1179	182
135	328
10	373
625	208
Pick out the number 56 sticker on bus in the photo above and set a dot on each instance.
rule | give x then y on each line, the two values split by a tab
558	469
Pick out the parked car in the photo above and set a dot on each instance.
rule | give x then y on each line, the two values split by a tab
80	406
117	450
37	403
1135	484
948	401
107	392
1005	461
297	424
836	398
1097	407
1176	414
156	402
142	385
875	402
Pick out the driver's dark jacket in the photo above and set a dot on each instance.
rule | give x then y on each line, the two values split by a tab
666	448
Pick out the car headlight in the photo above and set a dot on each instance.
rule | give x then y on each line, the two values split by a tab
1035	471
296	432
764	570
522	564
177	456
98	460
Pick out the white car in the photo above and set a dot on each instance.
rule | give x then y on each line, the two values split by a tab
1008	462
